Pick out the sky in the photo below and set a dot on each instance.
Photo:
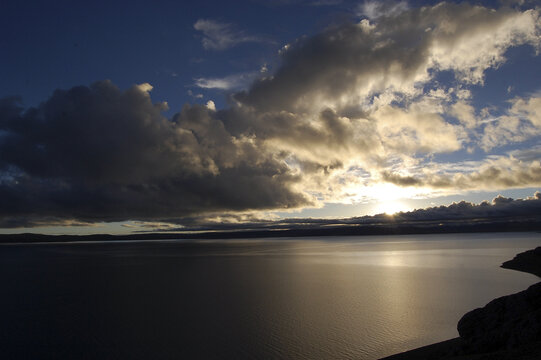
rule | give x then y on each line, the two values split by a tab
124	116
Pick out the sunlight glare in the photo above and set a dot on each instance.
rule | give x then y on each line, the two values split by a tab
389	199
390	207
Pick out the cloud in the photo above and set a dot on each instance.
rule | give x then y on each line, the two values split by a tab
528	109
210	105
377	9
465	113
194	95
505	130
527	154
377	79
522	122
221	36
415	130
347	64
146	225
353	106
498	172
231	82
101	154
500	207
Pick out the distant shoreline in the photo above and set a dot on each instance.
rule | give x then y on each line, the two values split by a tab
399	228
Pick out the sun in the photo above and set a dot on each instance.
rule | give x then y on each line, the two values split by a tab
386	198
390	199
390	207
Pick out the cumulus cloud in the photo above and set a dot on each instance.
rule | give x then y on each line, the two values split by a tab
505	130
351	63
221	36
528	109
101	154
376	78
521	122
414	130
465	113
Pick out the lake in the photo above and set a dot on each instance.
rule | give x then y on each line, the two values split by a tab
297	298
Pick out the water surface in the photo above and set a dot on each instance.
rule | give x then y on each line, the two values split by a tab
309	298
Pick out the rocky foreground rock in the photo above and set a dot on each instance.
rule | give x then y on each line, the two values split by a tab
504	323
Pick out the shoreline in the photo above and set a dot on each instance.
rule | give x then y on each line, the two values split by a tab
508	327
398	228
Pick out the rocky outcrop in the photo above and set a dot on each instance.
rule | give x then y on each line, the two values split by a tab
504	323
509	321
528	261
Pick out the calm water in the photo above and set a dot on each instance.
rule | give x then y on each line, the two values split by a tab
312	298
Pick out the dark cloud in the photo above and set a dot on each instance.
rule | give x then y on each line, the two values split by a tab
398	179
100	154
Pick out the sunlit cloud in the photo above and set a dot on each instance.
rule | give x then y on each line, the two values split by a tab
230	82
376	9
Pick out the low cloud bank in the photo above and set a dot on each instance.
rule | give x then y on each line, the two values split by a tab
500	207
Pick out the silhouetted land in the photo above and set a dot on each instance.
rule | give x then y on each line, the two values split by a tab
528	261
387	228
508	327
